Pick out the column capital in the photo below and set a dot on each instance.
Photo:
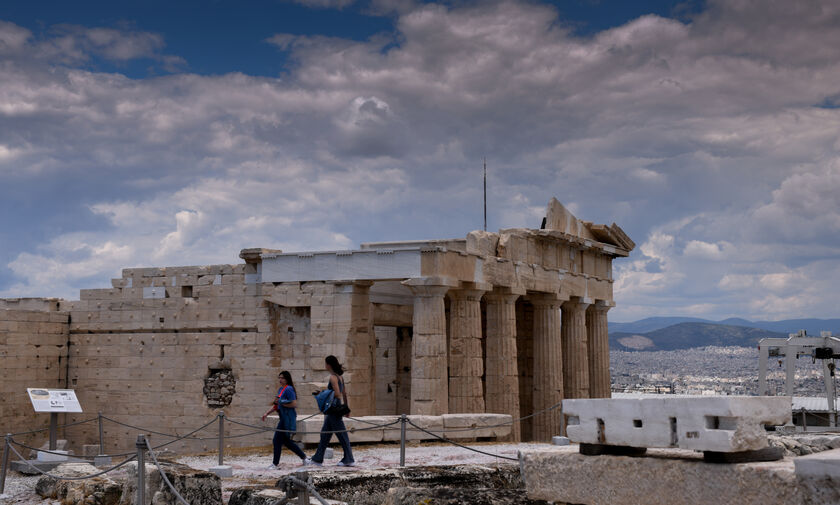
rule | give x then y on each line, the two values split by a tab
430	286
470	290
602	305
577	302
539	299
503	295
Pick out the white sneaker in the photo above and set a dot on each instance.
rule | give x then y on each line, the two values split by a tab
271	467
342	463
309	462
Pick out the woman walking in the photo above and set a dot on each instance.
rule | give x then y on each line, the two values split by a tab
334	423
285	404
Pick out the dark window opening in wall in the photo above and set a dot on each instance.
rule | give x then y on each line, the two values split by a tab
187	291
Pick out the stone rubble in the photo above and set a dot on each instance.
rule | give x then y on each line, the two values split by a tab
219	389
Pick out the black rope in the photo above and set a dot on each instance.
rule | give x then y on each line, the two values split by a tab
62	426
351	430
49	452
163	474
461	445
138	428
30	465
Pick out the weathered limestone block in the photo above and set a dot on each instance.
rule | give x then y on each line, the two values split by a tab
719	424
197	487
482	243
96	491
479	425
255	496
822	465
665	477
458	495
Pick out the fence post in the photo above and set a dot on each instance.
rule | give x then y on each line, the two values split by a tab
402	440
101	438
5	463
221	438
141	470
53	430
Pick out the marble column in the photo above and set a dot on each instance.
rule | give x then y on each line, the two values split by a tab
501	377
429	375
598	349
466	362
548	366
575	354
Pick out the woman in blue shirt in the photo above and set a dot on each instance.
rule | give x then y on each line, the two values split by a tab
285	404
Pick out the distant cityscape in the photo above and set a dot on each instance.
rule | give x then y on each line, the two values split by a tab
707	371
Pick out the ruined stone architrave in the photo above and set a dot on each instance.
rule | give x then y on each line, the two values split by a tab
508	322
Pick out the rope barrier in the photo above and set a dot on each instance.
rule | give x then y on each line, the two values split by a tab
30	465
57	427
163	474
350	430
24	446
461	445
157	432
172	441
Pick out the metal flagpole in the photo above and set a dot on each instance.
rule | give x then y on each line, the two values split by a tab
485	194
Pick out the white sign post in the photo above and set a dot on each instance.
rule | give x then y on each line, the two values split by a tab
53	401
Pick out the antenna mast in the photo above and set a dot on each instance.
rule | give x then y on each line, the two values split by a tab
485	194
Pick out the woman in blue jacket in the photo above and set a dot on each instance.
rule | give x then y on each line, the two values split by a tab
285	404
334	424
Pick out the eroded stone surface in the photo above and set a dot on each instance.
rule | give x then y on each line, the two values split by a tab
458	496
195	486
665	477
96	491
371	487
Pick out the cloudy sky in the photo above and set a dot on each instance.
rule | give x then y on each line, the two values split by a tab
171	135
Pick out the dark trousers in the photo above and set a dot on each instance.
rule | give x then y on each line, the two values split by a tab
333	423
284	439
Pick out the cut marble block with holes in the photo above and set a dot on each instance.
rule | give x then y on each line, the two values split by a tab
715	424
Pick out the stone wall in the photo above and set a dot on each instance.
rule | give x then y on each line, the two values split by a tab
148	351
33	353
142	350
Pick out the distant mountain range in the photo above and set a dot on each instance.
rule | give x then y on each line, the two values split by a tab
812	326
689	335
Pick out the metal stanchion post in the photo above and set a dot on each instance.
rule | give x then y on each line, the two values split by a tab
101	438
5	463
221	438
141	470
221	469
402	439
53	430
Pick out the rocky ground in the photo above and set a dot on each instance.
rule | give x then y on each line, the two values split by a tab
434	468
250	466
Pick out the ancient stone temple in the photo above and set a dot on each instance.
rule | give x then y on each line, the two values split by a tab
508	322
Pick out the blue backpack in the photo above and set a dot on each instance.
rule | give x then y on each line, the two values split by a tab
325	399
